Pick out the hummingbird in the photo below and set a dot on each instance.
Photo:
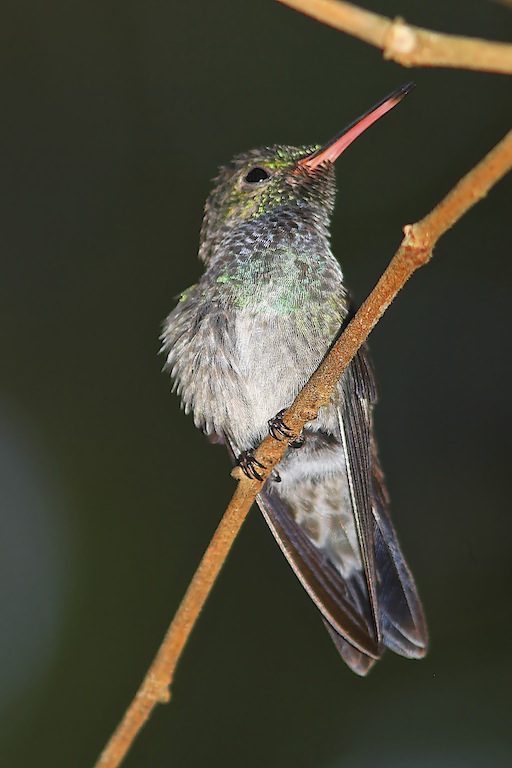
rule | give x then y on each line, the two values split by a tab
243	341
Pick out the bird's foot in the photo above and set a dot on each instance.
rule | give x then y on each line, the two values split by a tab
248	464
279	430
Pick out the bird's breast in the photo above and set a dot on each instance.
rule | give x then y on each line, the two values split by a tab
275	356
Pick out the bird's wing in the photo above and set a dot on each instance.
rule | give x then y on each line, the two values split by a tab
354	416
396	607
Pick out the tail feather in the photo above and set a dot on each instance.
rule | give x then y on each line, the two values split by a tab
343	599
360	663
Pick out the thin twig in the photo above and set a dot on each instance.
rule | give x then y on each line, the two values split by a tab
156	685
414	252
408	45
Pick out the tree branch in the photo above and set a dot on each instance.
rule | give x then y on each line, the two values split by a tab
405	44
415	251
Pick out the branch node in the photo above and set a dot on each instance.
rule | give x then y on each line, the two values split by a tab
400	41
417	245
164	696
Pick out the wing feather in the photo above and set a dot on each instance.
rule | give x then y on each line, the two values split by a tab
355	428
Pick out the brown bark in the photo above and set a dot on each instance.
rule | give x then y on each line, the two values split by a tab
407	45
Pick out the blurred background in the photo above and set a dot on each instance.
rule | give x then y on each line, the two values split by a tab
115	116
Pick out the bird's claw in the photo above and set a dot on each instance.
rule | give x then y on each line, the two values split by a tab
248	464
279	430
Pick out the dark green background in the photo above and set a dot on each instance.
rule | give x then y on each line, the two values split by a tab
114	117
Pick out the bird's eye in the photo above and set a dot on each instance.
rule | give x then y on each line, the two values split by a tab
255	175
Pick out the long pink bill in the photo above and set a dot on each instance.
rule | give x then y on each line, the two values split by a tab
338	144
